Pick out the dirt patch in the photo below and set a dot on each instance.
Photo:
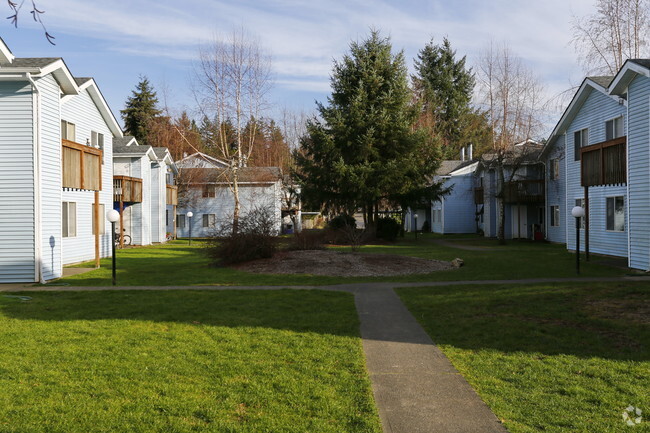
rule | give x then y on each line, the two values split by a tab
634	309
343	264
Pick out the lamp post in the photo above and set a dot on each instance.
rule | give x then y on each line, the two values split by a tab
578	212
113	216
189	221
415	216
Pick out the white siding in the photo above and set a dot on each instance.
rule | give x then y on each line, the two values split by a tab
50	128
596	109
17	241
82	111
223	206
639	171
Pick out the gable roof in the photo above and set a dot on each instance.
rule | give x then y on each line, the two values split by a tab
447	167
630	69
121	150
200	158
127	140
28	67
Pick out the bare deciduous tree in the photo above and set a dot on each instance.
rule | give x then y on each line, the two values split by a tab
233	76
617	31
511	96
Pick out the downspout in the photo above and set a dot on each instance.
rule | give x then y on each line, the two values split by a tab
38	241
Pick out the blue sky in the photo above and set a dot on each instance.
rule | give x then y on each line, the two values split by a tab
115	41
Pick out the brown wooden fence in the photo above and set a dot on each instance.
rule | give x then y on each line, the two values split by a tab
127	189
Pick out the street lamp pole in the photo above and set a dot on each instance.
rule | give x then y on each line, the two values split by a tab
415	216
113	216
189	221
578	212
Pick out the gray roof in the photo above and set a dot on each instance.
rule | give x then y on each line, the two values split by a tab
602	80
129	150
81	80
122	141
33	62
447	167
160	152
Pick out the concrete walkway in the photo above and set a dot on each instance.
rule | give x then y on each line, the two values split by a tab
415	386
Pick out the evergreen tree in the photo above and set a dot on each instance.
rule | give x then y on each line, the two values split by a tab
365	150
141	109
444	87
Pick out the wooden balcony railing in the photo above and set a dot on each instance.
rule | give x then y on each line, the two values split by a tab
524	191
81	166
172	194
604	163
478	195
127	189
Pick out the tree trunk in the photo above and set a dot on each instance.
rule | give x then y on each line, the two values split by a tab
235	193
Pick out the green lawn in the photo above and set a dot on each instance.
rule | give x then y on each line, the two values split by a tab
190	361
551	358
180	264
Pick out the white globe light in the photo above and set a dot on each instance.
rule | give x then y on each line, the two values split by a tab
190	214
112	215
578	212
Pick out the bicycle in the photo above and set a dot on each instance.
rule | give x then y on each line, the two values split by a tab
125	239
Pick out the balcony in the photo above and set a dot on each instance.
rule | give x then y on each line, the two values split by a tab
172	194
604	163
127	189
81	166
478	195
524	191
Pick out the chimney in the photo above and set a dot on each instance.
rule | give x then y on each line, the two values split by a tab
462	154
470	152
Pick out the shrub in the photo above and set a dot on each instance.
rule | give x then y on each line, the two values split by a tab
341	221
307	240
388	228
426	227
255	238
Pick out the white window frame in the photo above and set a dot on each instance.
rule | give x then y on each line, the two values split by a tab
181	221
555	215
68	131
69	219
555	168
97	141
584	141
615	132
607	225
209	220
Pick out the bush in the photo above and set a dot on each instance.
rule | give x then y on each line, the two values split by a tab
342	221
255	238
307	240
426	227
388	228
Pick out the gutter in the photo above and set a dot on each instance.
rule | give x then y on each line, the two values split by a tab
38	229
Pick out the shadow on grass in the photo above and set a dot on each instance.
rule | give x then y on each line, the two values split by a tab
304	311
585	320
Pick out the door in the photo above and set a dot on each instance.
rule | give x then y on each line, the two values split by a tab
519	222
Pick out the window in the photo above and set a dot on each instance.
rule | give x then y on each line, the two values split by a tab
614	128
616	214
209	219
209	191
555	216
68	131
69	219
97	141
180	221
102	218
554	168
580	139
581	202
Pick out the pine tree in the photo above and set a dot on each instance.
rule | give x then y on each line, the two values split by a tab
444	86
365	150
141	109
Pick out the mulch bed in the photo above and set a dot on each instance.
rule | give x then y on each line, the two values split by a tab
343	264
